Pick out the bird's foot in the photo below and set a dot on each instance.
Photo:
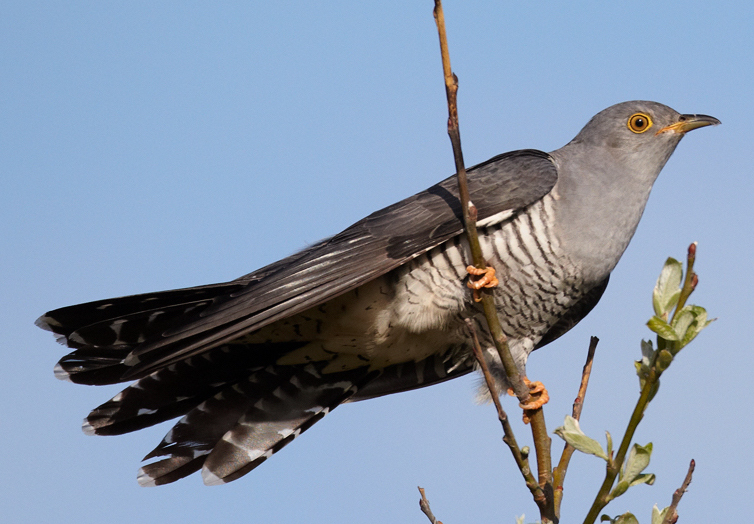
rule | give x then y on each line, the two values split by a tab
487	279
539	397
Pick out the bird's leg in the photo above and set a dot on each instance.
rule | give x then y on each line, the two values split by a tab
536	390
487	280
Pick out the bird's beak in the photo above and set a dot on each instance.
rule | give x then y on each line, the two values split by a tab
688	122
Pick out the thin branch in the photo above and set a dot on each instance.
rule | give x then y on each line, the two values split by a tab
539	430
469	210
650	384
522	460
671	517
559	473
691	280
424	506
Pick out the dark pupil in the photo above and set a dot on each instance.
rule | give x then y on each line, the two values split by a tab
639	123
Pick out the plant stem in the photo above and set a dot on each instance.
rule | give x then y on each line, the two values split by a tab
560	472
539	431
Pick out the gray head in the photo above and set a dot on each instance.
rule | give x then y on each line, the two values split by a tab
639	132
605	175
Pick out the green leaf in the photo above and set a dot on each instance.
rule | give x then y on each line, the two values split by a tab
637	461
619	489
609	444
657	515
571	432
682	322
667	290
662	328
646	478
647	352
520	520
626	518
696	327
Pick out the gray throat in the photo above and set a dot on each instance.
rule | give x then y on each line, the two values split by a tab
598	208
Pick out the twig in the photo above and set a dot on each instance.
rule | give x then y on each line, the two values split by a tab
424	506
671	517
559	473
690	281
539	430
469	211
522	460
647	391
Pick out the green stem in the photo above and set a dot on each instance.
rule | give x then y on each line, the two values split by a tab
613	467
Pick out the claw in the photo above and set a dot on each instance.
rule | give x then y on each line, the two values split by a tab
487	280
542	398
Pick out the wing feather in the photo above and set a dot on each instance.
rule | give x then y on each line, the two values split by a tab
370	248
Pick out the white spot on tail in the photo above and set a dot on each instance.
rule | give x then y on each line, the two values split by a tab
285	433
145	480
87	428
62	374
210	479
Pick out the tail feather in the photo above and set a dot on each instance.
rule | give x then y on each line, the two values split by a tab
66	320
241	426
104	333
177	389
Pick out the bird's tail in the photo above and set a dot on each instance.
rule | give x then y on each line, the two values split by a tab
242	425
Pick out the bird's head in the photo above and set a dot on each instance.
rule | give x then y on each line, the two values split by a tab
639	134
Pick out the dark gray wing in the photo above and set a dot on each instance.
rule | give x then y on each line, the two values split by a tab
154	330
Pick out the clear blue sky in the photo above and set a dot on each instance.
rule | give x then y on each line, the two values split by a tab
150	146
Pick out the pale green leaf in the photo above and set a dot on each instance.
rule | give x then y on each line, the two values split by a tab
667	290
626	518
637	461
619	489
662	328
571	432
700	322
647	352
520	520
645	478
682	321
609	444
657	515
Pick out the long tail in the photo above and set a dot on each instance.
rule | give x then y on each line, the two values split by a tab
238	407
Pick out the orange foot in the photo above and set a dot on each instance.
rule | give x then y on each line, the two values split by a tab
487	280
536	390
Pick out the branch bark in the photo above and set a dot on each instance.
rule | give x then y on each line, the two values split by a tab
671	517
559	473
424	506
539	430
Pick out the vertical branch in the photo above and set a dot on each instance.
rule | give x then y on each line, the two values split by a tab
560	472
539	430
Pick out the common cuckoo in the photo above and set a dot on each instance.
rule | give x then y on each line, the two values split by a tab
376	309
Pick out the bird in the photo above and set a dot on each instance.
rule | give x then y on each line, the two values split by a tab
379	308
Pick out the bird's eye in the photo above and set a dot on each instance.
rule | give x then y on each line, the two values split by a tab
639	122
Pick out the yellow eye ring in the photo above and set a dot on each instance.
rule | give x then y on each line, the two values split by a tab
639	122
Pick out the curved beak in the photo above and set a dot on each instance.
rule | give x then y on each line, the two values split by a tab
689	122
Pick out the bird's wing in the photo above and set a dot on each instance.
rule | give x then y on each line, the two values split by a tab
147	332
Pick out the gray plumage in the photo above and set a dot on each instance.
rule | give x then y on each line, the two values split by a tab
376	309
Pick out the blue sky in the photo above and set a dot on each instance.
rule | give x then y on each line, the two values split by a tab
151	146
